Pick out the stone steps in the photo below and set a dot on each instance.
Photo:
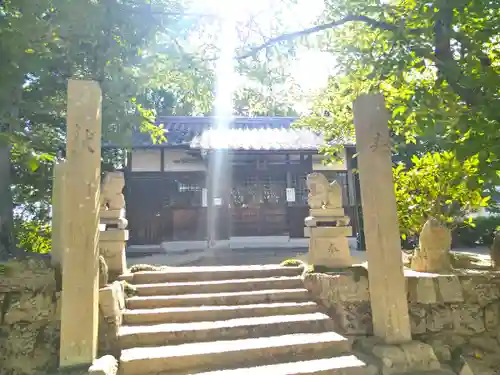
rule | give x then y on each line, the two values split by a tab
229	320
216	299
209	313
178	333
191	274
219	286
341	365
214	355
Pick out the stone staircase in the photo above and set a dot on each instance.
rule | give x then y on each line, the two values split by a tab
230	321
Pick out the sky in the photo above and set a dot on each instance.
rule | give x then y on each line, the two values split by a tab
310	68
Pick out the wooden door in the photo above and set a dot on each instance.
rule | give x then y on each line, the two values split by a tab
149	220
258	203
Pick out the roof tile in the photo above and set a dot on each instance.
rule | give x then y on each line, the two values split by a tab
240	133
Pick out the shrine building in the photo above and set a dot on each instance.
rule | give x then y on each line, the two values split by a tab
209	182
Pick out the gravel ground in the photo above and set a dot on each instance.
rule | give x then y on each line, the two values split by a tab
228	257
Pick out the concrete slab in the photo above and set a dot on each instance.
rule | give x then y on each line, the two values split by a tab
234	243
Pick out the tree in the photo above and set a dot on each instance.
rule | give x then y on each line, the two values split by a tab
47	42
257	102
437	185
437	63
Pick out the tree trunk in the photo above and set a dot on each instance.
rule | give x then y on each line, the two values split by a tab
7	242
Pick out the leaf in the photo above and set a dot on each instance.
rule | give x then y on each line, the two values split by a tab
33	164
398	111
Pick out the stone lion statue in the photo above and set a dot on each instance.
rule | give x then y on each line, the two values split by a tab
433	252
323	194
111	191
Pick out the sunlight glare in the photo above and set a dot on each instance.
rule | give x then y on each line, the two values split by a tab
224	89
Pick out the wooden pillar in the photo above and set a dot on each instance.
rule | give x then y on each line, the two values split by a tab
353	178
59	210
162	161
387	285
219	176
80	279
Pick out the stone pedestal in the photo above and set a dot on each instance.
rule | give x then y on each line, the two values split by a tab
328	245
327	226
112	215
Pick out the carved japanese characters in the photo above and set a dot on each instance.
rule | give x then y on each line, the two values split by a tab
434	247
323	194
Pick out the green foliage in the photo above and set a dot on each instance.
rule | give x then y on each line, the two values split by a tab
292	263
33	236
437	64
130	48
481	233
437	185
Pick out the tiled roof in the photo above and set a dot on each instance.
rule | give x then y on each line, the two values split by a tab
258	139
243	133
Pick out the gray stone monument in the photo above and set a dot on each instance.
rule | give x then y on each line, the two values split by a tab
327	226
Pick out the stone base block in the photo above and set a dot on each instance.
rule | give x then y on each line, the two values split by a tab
314	221
114	235
406	358
327	232
111	214
114	255
428	288
329	252
118	223
322	212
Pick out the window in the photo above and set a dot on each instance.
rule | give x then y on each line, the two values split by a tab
186	190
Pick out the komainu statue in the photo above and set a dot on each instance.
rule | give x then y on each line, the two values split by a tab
323	194
112	191
433	254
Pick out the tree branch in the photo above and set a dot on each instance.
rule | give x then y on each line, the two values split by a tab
448	67
467	43
330	25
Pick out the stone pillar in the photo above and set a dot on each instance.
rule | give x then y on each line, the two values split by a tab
112	213
385	268
327	226
80	272
58	214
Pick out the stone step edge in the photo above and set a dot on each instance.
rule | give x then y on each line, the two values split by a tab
129	277
214	312
202	269
219	282
217	295
188	273
228	346
296	368
200	309
130	330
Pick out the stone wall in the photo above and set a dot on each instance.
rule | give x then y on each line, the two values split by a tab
29	317
458	315
111	307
